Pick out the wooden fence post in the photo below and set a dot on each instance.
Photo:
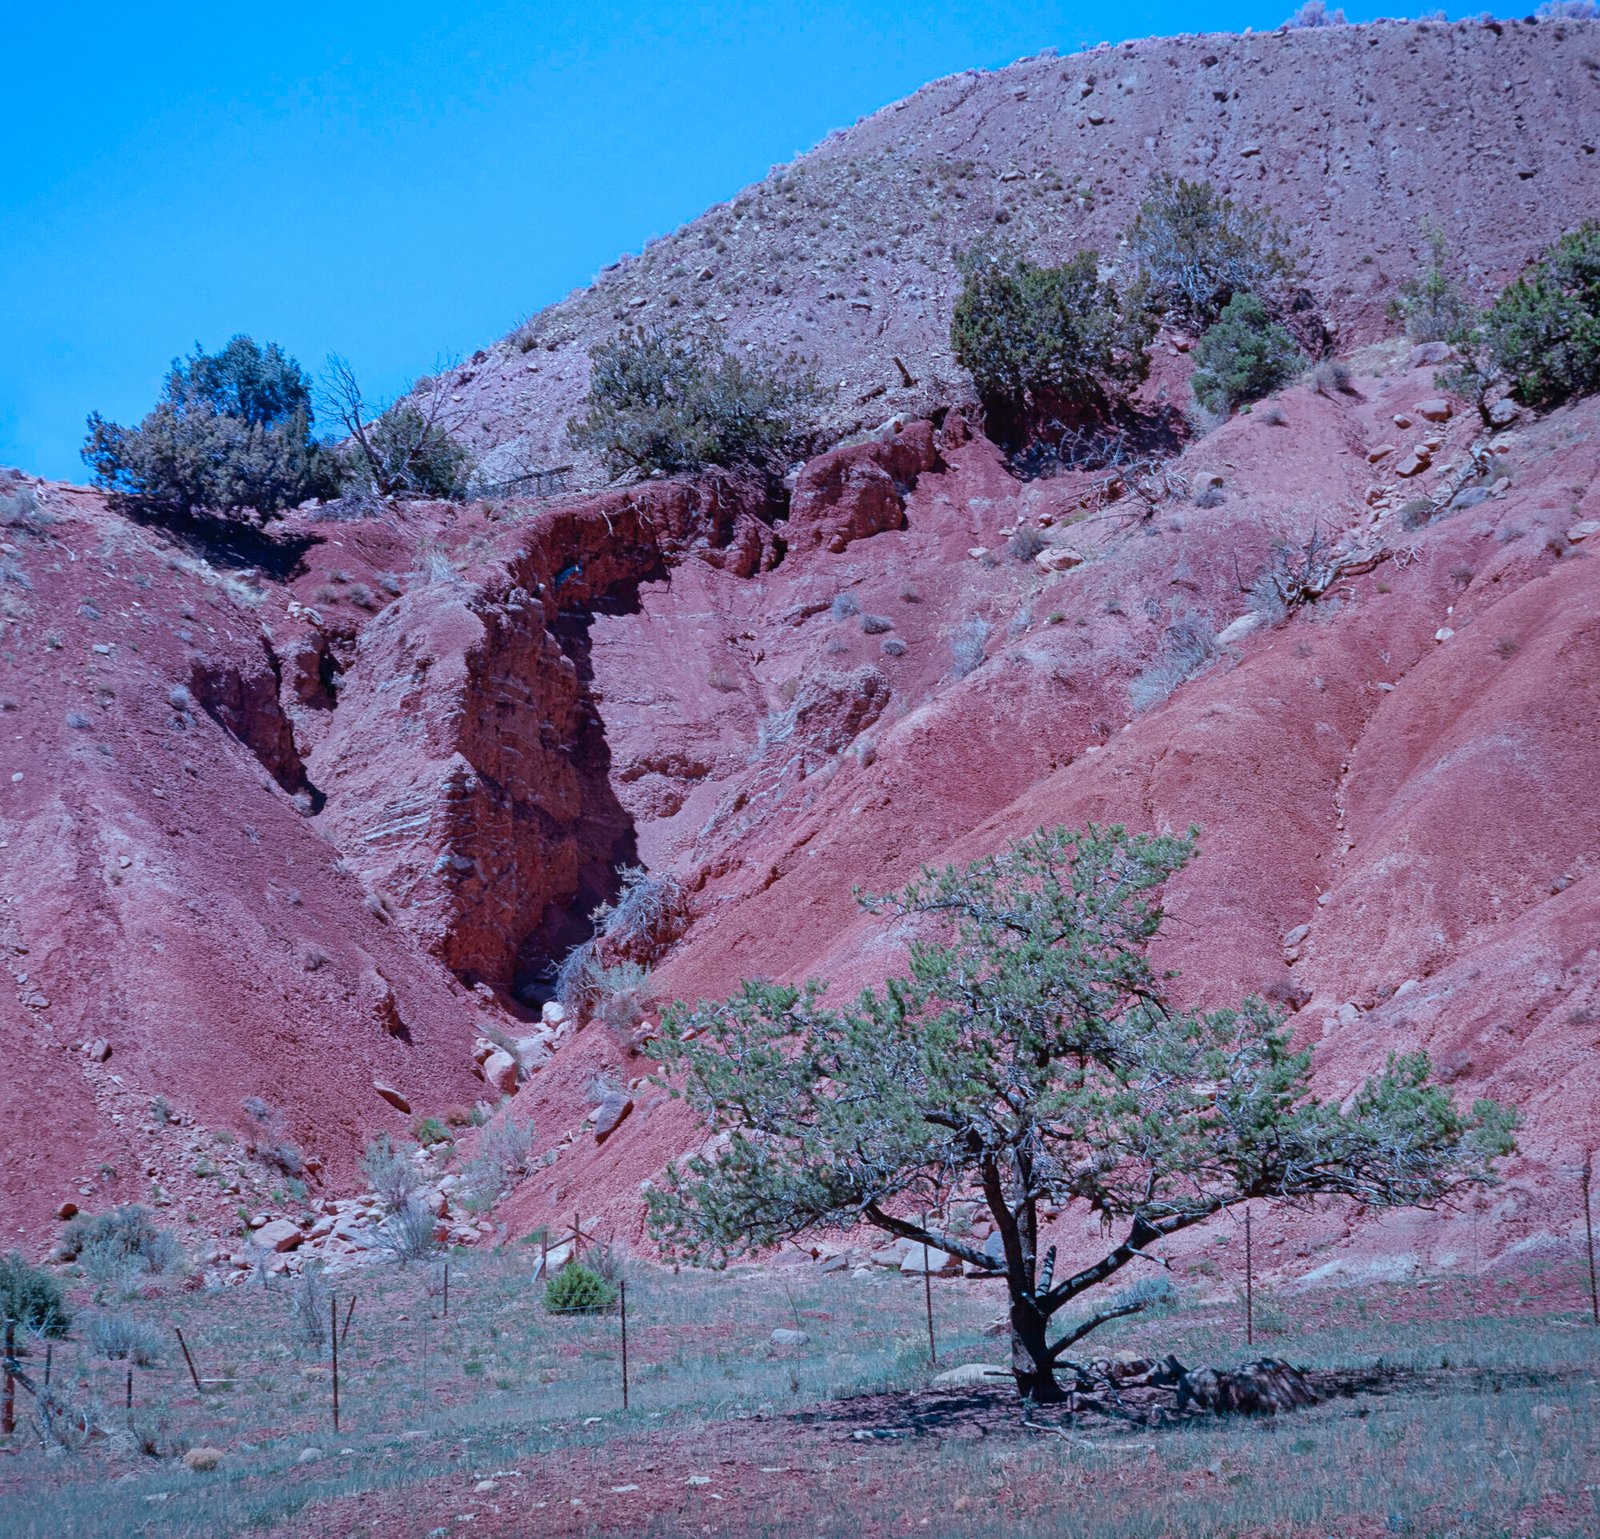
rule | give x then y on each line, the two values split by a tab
348	1312
1249	1284
1588	1225
927	1290
622	1290
189	1360
8	1393
333	1331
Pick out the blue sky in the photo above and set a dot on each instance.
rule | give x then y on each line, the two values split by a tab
401	182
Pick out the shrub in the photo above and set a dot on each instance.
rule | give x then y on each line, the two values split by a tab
32	1297
501	1161
967	643
893	646
1314	13
1431	305
1243	357
674	400
120	1336
391	1172
408	1233
1332	377
309	1304
876	625
406	450
1543	333
575	1289
130	1232
1026	543
1194	250
231	434
1042	339
1187	645
843	606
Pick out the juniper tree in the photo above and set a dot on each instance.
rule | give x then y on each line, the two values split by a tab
231	434
1042	341
1030	1053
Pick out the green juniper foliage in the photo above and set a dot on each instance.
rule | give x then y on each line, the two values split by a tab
1029	1055
575	1289
1431	304
1243	357
1194	250
672	400
1542	335
1034	337
231	434
407	450
32	1297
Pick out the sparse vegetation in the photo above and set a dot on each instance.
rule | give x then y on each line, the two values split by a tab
408	449
391	1172
1243	356
1186	646
1432	305
673	399
121	1337
1195	251
1046	341
502	1160
409	1233
231	435
1315	13
967	644
120	1249
1032	1056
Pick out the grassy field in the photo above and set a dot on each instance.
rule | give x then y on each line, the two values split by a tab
505	1419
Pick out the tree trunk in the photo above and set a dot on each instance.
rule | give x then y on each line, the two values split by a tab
1030	1360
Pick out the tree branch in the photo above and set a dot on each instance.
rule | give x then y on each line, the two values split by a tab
931	1238
1093	1323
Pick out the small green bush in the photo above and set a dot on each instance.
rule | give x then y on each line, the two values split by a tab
674	400
1543	332
404	454
1194	250
230	435
1431	305
1243	357
117	1248
1039	339
575	1289
32	1297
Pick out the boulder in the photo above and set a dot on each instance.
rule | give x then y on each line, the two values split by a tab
611	1114
1504	413
860	489
1584	529
1434	409
1058	558
788	1338
1413	463
1429	355
392	1096
924	1258
1237	630
279	1235
553	1013
891	1255
500	1070
1379	452
202	1459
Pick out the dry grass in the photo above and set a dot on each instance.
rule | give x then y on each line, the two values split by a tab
1508	1435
